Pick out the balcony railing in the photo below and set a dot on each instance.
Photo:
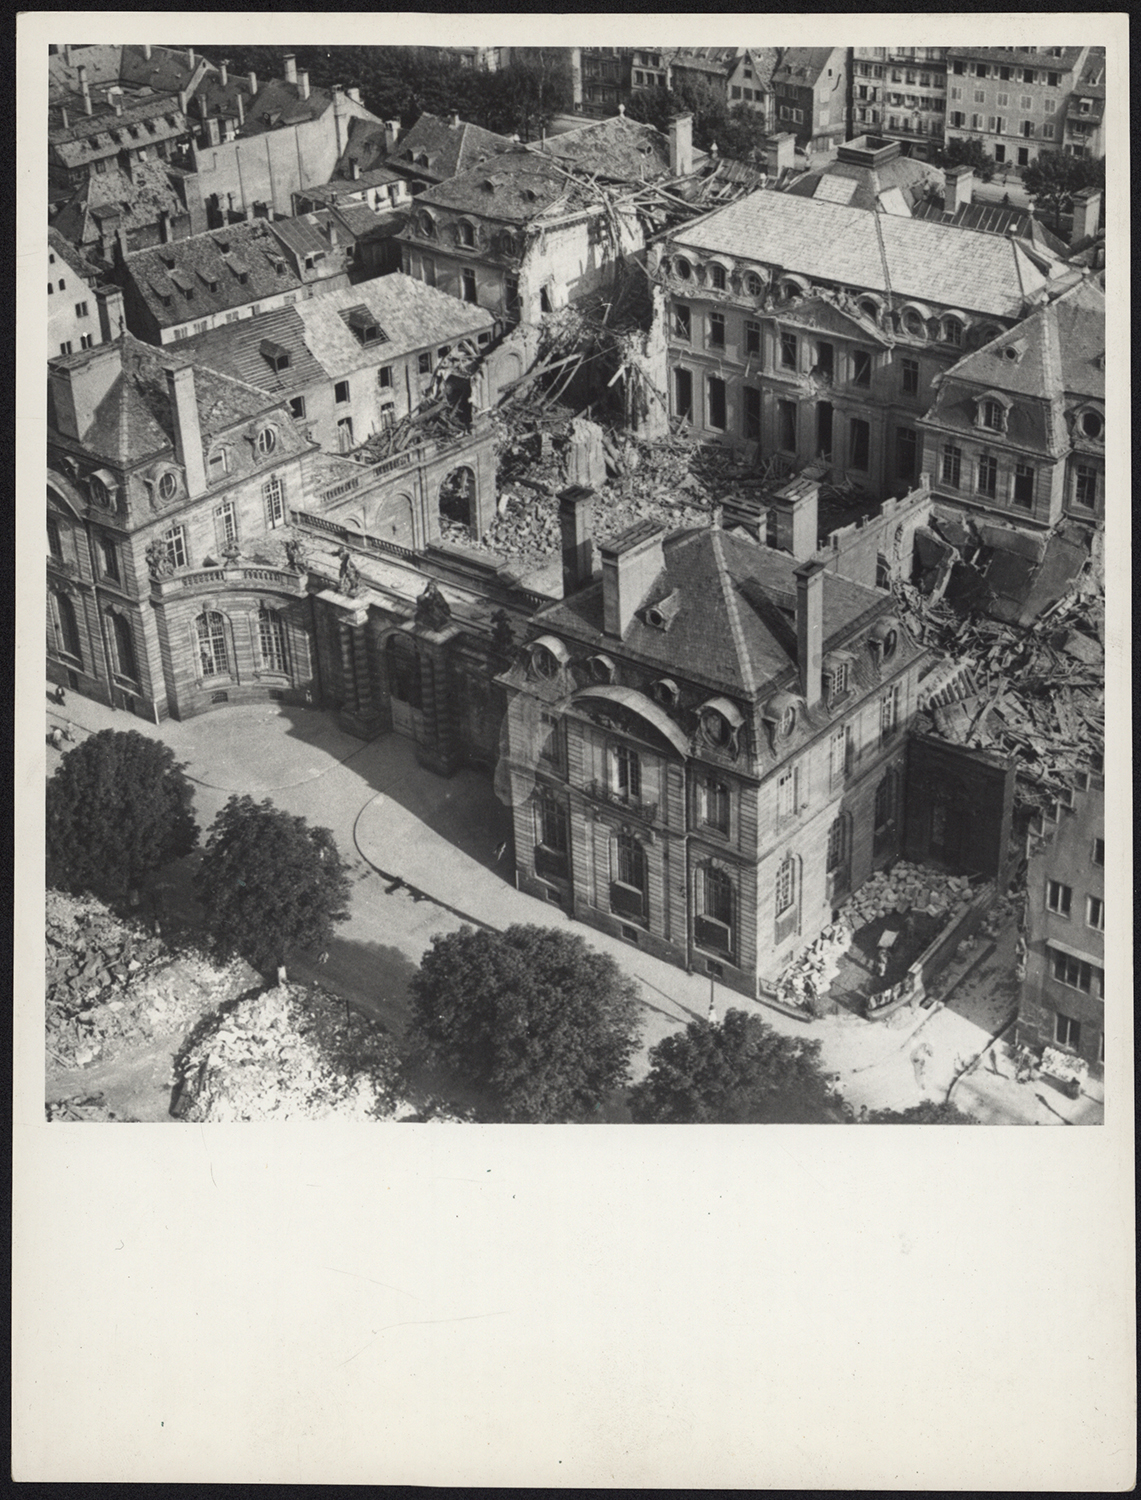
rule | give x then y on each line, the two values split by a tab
627	901
714	935
602	792
282	579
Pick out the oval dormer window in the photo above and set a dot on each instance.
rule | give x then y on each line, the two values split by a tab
547	655
168	485
664	692
913	323
266	440
682	268
1092	424
426	225
100	490
753	284
714	729
787	721
885	639
601	669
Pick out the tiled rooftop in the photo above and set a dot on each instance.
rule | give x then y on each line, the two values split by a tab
212	264
450	147
137	199
617	149
516	187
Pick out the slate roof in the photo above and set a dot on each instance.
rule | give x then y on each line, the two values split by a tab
991	218
802	65
217	257
712	60
411	314
166	71
138	199
732	631
878	252
134	419
143	122
517	187
64	250
904	174
235	349
616	149
1017	57
279	103
451	148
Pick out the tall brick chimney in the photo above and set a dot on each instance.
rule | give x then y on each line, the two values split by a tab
795	508
681	145
111	317
303	84
958	188
576	522
289	62
224	72
780	154
810	630
1087	210
630	564
78	387
84	88
187	429
253	85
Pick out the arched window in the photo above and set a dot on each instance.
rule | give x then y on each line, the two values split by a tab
1091	423
913	324
66	627
124	647
951	331
753	284
784	899
271	641
457	496
682	268
717	277
214	660
883	572
426	225
465	234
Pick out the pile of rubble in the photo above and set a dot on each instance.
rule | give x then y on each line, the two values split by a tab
1003	910
288	1053
811	973
86	1107
907	887
111	985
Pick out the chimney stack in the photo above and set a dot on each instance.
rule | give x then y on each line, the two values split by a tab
795	509
253	85
780	154
165	232
810	630
355	95
290	63
187	431
84	89
576	522
116	97
1087	211
147	51
190	59
111	318
241	106
681	145
958	188
630	564
63	116
183	101
77	392
391	133
303	84
224	72
354	169
455	122
67	56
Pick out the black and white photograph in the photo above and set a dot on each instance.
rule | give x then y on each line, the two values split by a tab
580	590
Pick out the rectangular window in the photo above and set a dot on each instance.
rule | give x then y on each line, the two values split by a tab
273	494
424	363
217	465
839	755
1027	129
341	391
65	347
836	847
825	361
861	367
1095	913
785	891
952	466
683	394
752	414
55	545
717	330
1098	855
626	772
1026	103
1085	487
1023	491
788	351
550	741
1067	1032
469	292
553	830
889	713
906	453
1050	106
226	523
297	406
175	543
1048	131
86	341
1058	898
682	322
1075	973
713	801
81	309
787	803
716	389
109	559
910	372
988	477
980	96
859	437
752	336
387	414
786	426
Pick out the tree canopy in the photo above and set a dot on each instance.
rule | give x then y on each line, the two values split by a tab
929	1112
269	884
538	1021
737	131
738	1072
959	152
1053	179
118	806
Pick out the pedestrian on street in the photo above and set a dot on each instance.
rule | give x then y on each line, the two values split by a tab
58	695
55	738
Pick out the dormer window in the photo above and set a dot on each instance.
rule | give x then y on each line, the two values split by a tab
465	234
837	679
717	277
601	669
951	332
992	415
682	268
884	641
276	355
547	656
218	464
664	692
426	225
1091	424
266	440
168	485
753	284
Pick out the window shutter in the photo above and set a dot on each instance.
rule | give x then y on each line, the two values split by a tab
255	643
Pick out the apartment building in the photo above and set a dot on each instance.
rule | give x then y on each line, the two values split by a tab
810	85
1013	101
1084	133
165	480
706	747
1017	427
1063	995
608	75
816	330
82	309
900	92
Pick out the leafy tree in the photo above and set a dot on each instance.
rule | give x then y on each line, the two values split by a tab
269	883
964	153
1053	179
118	806
541	1023
740	1072
655	107
927	1113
